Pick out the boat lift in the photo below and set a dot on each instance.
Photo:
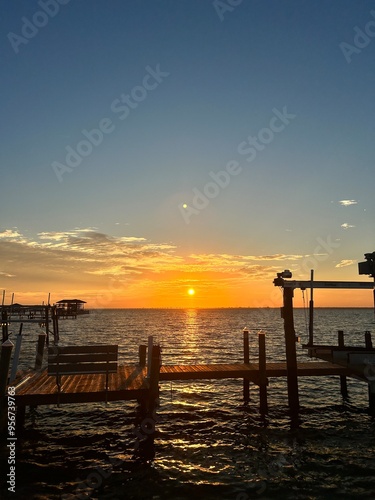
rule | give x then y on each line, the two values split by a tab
283	280
366	267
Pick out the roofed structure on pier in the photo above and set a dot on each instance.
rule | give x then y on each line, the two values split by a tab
71	306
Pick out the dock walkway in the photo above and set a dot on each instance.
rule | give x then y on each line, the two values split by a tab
128	383
131	383
247	371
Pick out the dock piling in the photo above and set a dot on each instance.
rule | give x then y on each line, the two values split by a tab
371	397
291	354
262	373
343	381
55	325
371	383
6	351
149	354
311	310
246	360
4	325
47	324
16	356
40	351
368	341
154	376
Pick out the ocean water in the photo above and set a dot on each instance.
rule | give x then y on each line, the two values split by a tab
208	443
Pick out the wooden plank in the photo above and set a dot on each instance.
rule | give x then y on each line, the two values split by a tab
134	377
186	372
82	358
71	369
83	349
72	384
86	397
46	385
122	376
87	388
23	385
338	348
83	383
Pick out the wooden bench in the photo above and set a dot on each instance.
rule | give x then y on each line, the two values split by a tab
80	360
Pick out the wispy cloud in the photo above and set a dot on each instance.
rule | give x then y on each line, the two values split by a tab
347	203
247	264
7	275
10	235
347	226
82	252
85	261
346	262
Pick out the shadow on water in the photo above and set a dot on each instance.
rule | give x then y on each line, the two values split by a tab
70	462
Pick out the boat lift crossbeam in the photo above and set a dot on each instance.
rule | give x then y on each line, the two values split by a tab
364	285
290	285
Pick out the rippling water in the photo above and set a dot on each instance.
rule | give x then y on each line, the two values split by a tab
208	444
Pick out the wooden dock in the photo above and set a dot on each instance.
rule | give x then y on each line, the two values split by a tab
86	374
247	371
131	383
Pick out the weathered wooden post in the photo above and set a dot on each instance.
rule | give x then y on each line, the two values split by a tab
311	310
6	351
40	351
291	354
47	323
343	381
154	376
368	341
371	396
371	383
4	325
149	354
16	356
55	325
142	354
246	360
262	373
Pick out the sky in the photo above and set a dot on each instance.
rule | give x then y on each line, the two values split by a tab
157	146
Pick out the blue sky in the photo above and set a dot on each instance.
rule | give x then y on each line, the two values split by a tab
222	73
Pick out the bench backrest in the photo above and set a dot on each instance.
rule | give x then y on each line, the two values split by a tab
74	360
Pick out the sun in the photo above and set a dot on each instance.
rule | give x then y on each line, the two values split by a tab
191	291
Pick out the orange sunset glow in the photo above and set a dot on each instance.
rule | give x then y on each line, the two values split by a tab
117	272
